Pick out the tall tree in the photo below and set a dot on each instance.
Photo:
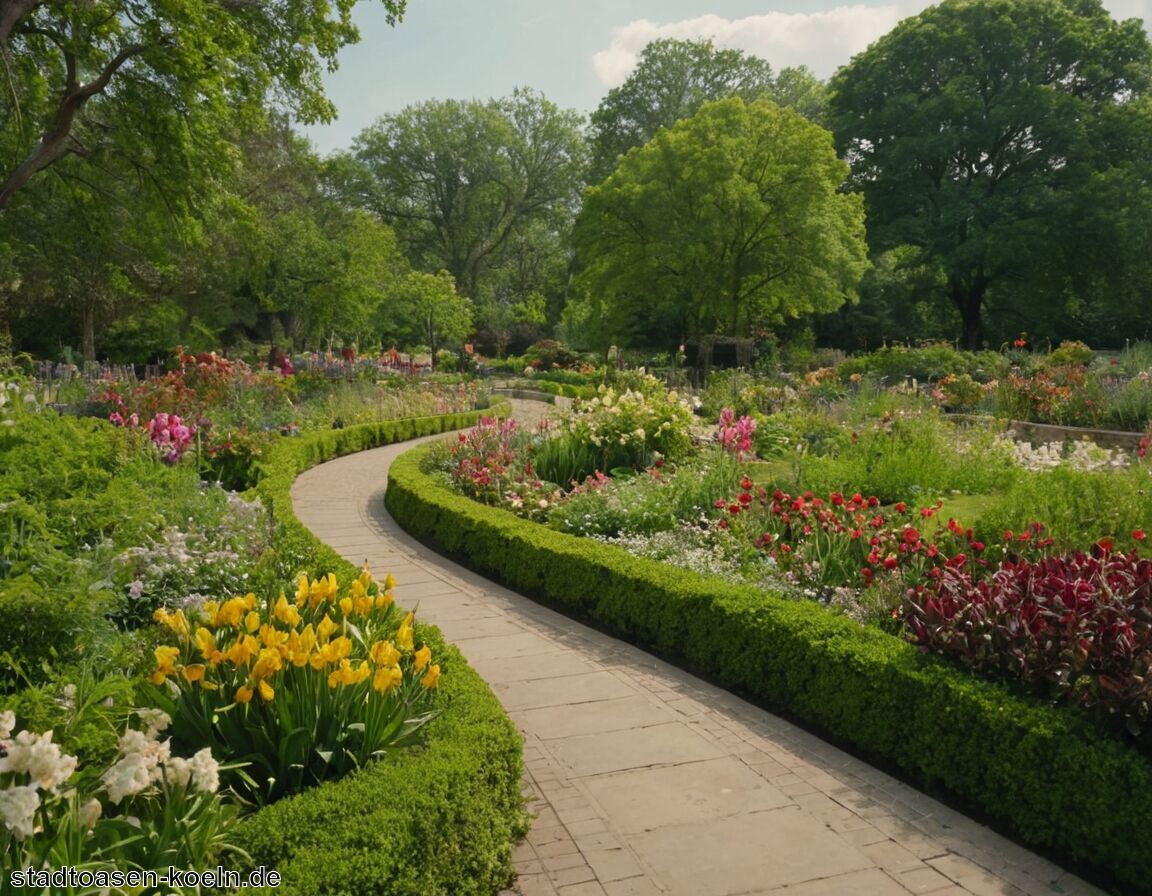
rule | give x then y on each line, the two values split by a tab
972	128
673	79
726	222
152	77
462	181
425	308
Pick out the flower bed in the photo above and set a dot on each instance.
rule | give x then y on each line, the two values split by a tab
438	817
1052	777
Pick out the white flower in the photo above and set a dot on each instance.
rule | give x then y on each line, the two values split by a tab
129	775
18	807
40	758
205	771
90	813
177	771
155	721
7	723
138	767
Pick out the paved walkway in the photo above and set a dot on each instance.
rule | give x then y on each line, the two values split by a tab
645	780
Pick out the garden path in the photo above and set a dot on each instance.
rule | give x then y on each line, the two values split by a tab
646	780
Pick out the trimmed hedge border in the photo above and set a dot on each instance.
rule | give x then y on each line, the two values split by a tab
1057	781
435	820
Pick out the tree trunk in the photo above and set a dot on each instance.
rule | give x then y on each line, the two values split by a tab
969	301
88	337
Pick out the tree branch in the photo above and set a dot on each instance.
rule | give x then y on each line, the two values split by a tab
12	12
54	144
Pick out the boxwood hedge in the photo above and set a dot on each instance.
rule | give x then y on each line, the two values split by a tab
436	820
1045	773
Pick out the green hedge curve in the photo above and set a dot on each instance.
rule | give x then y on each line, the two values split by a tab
435	820
1050	776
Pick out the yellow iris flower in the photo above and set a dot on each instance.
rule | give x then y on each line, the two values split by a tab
404	634
383	653
421	659
431	677
387	679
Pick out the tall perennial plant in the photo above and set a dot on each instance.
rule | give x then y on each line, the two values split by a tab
298	690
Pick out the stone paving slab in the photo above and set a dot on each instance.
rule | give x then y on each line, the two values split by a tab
646	781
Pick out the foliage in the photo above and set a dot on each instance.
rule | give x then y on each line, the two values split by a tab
465	182
673	79
657	500
424	309
925	363
1079	508
126	78
939	725
42	630
980	152
912	457
1077	628
726	222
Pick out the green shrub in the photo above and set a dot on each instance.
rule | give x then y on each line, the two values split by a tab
644	504
930	362
42	631
1051	776
1076	507
1069	354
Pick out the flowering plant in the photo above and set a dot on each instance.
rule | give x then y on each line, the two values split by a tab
178	567
632	428
1078	627
735	435
171	435
300	690
149	809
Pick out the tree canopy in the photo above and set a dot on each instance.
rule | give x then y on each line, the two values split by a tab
673	79
483	190
154	80
727	222
976	132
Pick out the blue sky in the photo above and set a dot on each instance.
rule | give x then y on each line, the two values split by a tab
574	51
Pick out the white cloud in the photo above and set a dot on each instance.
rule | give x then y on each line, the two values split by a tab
821	40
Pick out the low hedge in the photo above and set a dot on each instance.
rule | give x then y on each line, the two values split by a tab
433	820
1051	776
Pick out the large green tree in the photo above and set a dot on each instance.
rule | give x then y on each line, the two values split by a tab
464	183
726	222
673	79
153	80
977	130
426	309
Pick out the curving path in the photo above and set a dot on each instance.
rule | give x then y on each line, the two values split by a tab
645	780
